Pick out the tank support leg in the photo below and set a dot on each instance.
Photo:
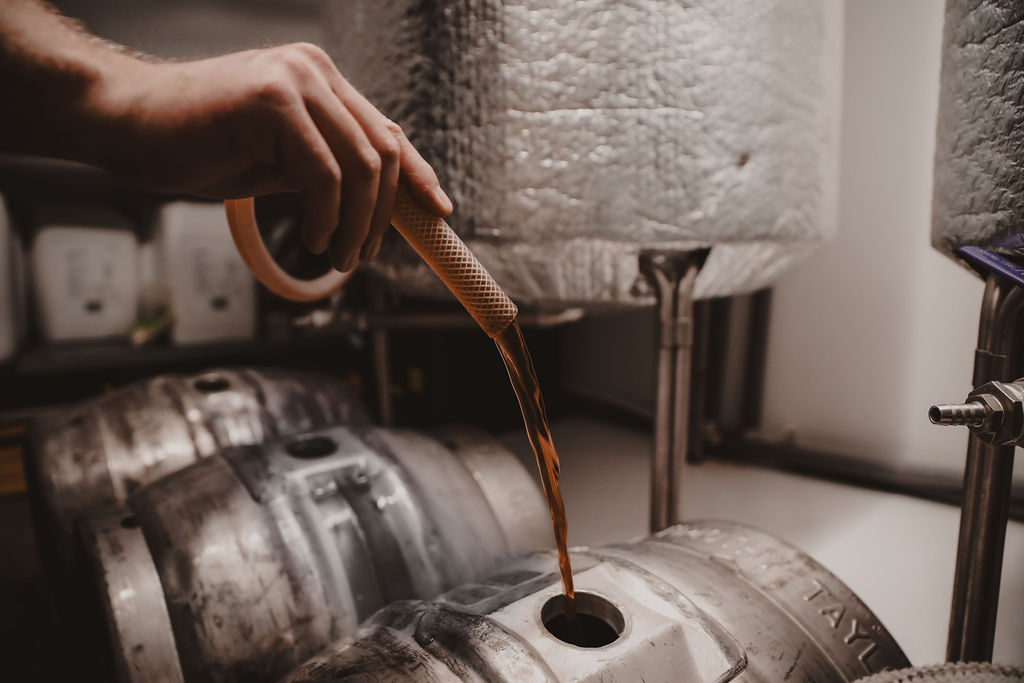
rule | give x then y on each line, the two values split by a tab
987	484
381	356
672	276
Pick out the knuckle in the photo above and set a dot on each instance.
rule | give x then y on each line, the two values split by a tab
329	173
296	63
389	151
368	163
393	128
274	92
312	53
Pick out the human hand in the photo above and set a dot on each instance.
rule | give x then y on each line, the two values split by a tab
261	121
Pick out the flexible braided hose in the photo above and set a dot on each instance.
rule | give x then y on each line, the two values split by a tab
454	263
246	234
430	236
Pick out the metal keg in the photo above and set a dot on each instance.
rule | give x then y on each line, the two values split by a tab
704	601
243	564
99	450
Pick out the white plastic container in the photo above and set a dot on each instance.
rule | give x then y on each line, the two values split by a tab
85	281
209	290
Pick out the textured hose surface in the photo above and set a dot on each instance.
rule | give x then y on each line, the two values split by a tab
430	236
245	232
449	257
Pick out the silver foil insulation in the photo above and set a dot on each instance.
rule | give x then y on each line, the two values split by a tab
571	134
978	196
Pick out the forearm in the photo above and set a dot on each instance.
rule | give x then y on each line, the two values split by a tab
51	75
253	122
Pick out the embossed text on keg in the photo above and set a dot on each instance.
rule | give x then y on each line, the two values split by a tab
833	609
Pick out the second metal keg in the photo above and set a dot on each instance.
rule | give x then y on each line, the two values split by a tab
241	565
99	450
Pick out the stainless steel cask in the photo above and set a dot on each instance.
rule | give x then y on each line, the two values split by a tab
243	564
705	601
98	451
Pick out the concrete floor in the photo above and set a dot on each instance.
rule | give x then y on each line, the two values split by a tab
894	551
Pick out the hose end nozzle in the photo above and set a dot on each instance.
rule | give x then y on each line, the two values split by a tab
970	414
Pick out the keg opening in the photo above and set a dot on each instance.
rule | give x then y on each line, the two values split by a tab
211	385
130	522
311	447
598	622
935	415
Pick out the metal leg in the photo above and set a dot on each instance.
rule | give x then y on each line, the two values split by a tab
987	484
672	275
381	356
757	358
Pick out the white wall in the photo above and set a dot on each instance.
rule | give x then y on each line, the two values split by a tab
878	326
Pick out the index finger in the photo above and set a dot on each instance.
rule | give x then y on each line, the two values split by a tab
419	178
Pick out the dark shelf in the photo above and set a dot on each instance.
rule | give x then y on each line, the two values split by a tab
94	356
22	175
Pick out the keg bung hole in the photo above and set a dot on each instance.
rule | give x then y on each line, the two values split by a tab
311	447
211	385
598	621
130	522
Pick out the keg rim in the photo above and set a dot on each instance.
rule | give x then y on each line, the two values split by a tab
590	603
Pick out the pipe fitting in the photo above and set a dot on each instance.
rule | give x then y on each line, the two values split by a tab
970	414
994	412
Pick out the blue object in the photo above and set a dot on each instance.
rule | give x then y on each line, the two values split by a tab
988	261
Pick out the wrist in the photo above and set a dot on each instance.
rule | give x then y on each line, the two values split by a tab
99	118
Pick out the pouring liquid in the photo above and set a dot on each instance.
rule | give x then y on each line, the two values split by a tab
531	402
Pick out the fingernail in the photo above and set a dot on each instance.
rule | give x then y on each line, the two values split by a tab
375	249
316	246
365	254
442	200
349	263
370	250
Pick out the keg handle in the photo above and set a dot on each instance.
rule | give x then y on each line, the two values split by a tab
431	237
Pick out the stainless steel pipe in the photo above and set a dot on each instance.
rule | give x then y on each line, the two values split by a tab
704	601
988	479
243	564
672	276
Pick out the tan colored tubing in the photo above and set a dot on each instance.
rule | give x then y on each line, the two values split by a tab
246	234
448	256
435	242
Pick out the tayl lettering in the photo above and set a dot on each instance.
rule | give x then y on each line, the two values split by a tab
834	614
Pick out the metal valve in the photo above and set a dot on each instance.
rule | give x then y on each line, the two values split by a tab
994	412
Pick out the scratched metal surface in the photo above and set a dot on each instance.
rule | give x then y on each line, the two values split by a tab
570	134
703	601
97	451
978	196
243	564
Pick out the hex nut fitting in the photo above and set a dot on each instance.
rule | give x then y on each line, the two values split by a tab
1004	404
